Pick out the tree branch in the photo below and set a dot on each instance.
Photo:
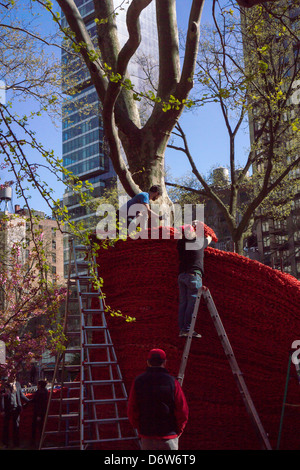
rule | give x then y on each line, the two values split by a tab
191	50
83	38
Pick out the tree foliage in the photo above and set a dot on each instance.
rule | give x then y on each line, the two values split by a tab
29	309
248	64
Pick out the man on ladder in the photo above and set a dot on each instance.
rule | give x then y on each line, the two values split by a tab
191	268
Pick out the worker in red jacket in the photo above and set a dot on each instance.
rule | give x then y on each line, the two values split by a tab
157	407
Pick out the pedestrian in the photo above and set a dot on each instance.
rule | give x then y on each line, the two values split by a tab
191	269
32	374
40	401
11	407
157	407
139	206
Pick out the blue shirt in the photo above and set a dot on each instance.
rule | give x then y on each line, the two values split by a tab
141	198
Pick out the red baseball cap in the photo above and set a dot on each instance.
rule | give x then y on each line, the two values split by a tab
157	355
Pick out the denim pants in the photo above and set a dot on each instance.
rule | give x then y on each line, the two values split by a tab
189	284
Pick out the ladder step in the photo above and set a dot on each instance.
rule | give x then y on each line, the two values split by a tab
88	363
91	294
82	248
73	385
94	327
92	310
104	401
63	431
103	382
75	447
105	420
83	264
82	278
64	416
72	366
67	400
111	440
72	350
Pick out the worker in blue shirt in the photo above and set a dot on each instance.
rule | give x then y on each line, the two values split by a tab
130	213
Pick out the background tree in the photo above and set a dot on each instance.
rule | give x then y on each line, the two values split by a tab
144	145
243	66
29	310
32	73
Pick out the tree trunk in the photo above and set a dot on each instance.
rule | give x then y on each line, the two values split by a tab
238	247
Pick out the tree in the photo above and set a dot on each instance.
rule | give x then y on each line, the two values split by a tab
144	145
31	70
257	77
29	310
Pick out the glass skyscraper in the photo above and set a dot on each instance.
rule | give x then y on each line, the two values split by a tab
84	151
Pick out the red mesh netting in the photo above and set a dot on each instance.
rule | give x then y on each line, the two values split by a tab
259	308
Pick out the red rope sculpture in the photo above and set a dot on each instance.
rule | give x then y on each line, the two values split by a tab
259	308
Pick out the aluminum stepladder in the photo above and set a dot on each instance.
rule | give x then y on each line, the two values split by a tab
284	403
90	409
204	291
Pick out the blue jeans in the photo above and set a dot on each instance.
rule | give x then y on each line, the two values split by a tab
189	284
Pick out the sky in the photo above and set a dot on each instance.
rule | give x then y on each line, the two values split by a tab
204	128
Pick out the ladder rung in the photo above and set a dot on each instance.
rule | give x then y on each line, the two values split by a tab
72	350
82	248
60	448
105	420
103	382
80	263
98	345
65	416
74	384
82	278
111	440
93	310
91	294
88	363
106	401
70	430
67	400
94	327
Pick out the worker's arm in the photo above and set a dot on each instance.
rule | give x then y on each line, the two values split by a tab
150	212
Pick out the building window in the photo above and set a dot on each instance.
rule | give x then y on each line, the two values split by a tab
297	236
281	239
265	226
279	224
287	269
